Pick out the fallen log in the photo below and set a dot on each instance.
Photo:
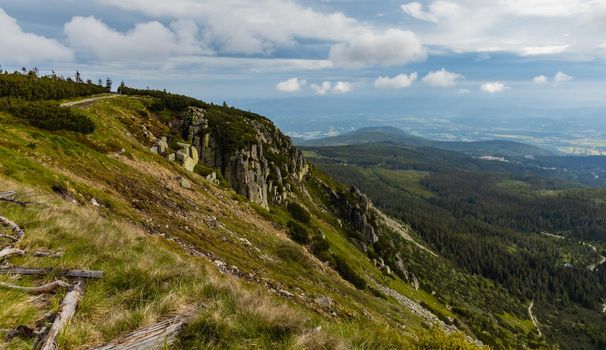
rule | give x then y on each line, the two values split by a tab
156	336
8	252
49	270
66	312
17	230
47	288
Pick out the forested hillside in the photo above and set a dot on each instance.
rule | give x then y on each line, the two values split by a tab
535	236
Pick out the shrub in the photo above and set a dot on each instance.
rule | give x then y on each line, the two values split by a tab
348	273
298	212
319	244
48	115
298	232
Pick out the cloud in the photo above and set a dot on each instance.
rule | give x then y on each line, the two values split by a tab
541	79
146	41
442	78
251	27
342	87
321	89
17	46
543	50
291	85
561	77
568	28
494	87
393	47
398	82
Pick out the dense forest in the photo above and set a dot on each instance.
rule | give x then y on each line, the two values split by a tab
482	222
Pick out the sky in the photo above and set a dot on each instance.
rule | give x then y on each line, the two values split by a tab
460	56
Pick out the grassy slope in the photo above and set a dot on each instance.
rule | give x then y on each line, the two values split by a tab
148	277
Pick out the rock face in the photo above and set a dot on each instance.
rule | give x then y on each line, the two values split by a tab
356	211
260	170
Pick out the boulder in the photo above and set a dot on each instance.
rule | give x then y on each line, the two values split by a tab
324	301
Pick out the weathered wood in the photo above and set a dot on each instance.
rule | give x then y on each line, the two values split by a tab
9	251
48	270
66	312
17	230
7	194
12	238
47	254
156	336
47	288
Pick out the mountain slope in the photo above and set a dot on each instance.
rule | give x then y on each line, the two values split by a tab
523	228
248	270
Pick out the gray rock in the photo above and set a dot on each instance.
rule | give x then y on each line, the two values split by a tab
183	182
324	301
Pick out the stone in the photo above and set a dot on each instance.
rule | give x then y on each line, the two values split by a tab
193	153
189	164
171	157
183	182
154	149
324	301
162	145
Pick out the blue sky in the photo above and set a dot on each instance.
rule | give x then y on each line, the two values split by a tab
520	55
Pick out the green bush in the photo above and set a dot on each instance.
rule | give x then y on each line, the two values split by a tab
348	273
48	115
298	212
298	232
319	244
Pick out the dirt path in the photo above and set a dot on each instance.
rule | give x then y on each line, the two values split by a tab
533	318
87	100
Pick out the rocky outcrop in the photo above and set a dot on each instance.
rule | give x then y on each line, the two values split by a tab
261	170
355	208
187	155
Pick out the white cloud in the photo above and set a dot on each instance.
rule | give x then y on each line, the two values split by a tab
251	27
568	28
561	77
17	46
464	91
442	78
394	47
146	41
494	87
342	87
543	50
321	89
291	85
398	82
541	79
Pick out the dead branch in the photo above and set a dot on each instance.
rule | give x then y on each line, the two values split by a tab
12	238
47	288
48	270
47	254
8	252
155	336
17	230
66	312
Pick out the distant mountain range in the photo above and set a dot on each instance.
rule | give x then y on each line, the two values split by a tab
388	134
